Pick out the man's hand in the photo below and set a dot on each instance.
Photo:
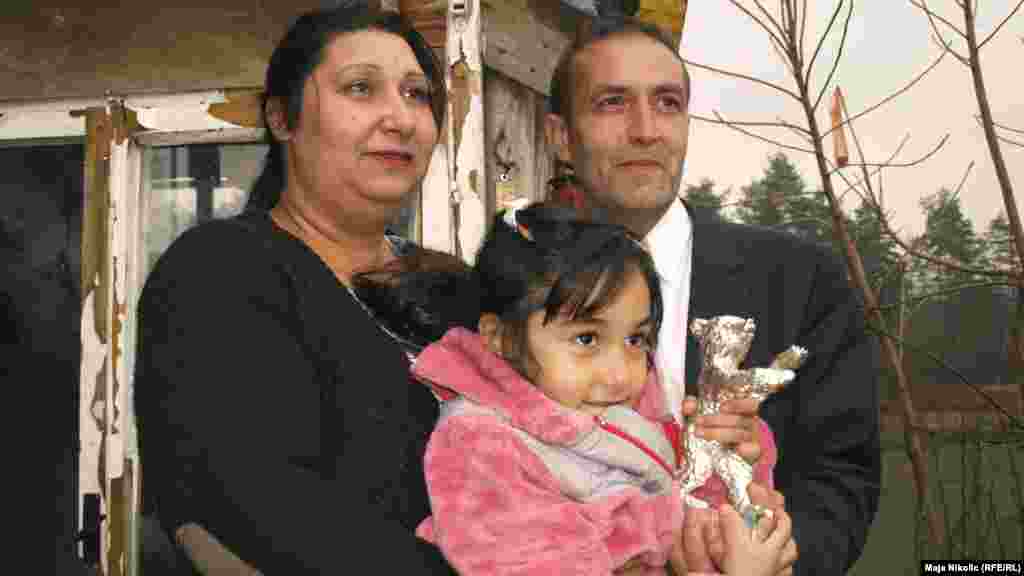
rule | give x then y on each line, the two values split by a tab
735	426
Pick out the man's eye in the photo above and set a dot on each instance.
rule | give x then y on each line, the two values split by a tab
611	101
586	339
670	104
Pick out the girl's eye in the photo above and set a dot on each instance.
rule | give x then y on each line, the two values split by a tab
638	340
586	339
420	94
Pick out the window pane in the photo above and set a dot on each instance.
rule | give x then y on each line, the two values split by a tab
186	185
189	184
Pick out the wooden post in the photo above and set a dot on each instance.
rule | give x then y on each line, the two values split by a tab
465	120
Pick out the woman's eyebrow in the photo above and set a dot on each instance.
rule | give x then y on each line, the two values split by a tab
411	74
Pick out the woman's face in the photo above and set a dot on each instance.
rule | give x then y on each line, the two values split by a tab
365	134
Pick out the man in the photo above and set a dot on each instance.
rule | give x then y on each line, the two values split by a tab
619	118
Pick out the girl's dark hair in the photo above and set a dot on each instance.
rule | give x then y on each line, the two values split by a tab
301	51
555	262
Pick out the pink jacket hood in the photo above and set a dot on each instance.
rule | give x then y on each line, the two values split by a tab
468	368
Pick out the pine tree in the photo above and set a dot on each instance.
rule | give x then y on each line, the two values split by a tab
703	195
780	199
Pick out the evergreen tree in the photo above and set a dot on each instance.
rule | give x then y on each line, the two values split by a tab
999	246
703	195
950	235
780	199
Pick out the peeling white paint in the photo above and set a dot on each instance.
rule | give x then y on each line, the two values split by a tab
120	205
90	426
178	112
468	172
49	119
436	204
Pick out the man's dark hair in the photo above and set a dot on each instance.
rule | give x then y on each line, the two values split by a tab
302	50
595	30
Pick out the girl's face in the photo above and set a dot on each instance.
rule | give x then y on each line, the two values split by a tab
591	364
365	133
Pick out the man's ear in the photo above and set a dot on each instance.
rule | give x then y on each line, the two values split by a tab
492	331
556	133
276	120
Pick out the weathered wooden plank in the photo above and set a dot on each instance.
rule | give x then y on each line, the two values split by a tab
510	128
465	120
521	45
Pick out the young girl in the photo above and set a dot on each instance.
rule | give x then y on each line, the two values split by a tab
554	452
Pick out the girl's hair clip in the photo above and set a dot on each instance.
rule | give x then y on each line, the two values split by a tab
510	218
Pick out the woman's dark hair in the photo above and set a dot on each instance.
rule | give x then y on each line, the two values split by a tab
301	51
555	261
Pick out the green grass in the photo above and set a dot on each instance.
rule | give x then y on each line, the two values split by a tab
980	503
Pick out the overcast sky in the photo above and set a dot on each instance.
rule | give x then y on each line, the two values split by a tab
887	45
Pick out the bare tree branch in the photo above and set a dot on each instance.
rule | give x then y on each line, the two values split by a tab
771	85
938	38
803	28
932	16
945	263
1010	142
761	138
1001	126
948	48
901	164
800	131
835	61
888	98
771	33
821	42
769	17
877	172
785	9
780	124
963	180
995	31
917	299
1013	420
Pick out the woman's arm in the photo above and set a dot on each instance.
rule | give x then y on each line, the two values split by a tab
230	426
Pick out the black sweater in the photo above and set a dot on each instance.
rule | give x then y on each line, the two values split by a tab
274	412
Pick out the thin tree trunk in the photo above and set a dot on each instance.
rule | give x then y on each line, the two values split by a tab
873	314
1003	176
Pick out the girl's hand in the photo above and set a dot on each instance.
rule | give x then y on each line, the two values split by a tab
774	501
702	543
761	553
632	568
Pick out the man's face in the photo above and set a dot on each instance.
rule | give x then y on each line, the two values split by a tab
627	137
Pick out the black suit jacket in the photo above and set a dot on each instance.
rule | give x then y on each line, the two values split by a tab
826	421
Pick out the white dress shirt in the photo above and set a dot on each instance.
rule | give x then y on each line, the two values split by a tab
671	245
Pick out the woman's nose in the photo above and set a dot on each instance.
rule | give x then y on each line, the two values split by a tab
400	116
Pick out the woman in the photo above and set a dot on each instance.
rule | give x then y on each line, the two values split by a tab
272	411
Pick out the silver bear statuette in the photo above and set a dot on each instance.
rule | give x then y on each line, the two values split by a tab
724	342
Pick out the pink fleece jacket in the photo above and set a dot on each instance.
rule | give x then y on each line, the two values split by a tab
503	474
